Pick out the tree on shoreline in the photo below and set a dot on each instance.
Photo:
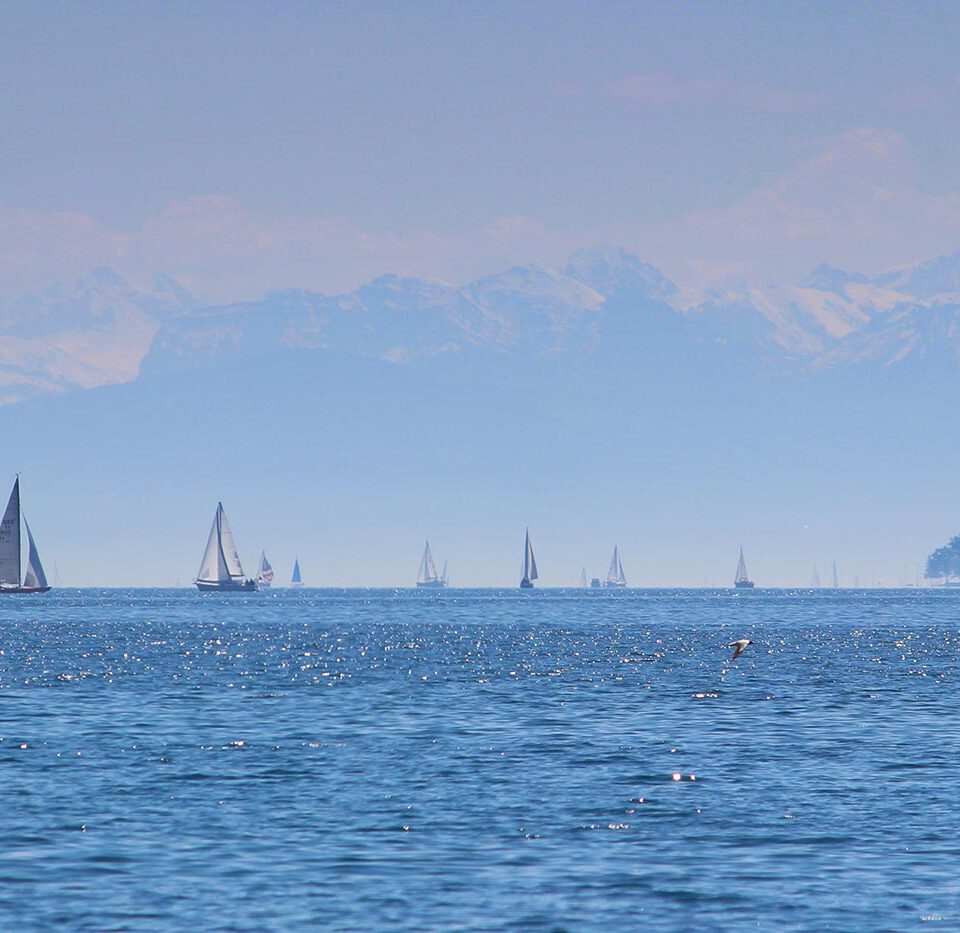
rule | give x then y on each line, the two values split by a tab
944	562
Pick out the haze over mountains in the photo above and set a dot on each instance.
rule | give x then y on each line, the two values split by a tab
599	404
101	330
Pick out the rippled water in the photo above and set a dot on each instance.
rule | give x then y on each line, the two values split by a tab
480	759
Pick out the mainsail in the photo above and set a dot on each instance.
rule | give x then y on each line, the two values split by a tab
295	579
265	570
229	547
529	561
10	539
583	578
34	575
443	574
836	581
427	572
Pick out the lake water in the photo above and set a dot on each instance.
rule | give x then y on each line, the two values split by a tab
480	759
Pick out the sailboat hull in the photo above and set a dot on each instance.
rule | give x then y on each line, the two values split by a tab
24	589
431	584
228	586
744	584
526	584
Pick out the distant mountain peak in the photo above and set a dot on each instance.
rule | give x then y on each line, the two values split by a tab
927	279
105	277
612	270
827	278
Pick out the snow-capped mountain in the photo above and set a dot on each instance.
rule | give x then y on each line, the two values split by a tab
101	329
87	333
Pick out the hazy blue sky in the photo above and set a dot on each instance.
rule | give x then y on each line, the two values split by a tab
242	147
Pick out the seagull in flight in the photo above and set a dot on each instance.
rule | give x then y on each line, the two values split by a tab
739	645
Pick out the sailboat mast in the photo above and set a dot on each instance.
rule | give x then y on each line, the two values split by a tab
16	489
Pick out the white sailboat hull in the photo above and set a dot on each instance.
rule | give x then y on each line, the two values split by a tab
431	584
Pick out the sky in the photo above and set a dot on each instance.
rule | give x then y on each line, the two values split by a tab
247	147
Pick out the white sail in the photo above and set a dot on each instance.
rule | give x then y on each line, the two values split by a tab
741	576
229	547
612	572
213	566
529	561
583	578
836	582
615	575
34	575
10	539
428	571
443	574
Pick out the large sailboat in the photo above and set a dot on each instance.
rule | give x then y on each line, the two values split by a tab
529	565
615	578
33	579
220	570
295	579
427	576
742	581
264	572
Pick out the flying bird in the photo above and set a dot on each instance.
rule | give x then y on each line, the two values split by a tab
739	645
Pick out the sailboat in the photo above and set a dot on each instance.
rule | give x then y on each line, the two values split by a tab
815	579
264	572
34	580
444	579
836	581
615	578
583	578
529	565
295	580
220	570
427	574
742	581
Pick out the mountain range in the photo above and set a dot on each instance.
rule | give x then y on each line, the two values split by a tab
102	330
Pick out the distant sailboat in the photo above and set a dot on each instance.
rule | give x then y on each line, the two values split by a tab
529	565
583	578
615	578
295	580
427	574
34	579
836	582
742	580
815	579
220	570
444	579
264	572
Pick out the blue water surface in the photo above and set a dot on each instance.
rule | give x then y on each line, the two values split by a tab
480	759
